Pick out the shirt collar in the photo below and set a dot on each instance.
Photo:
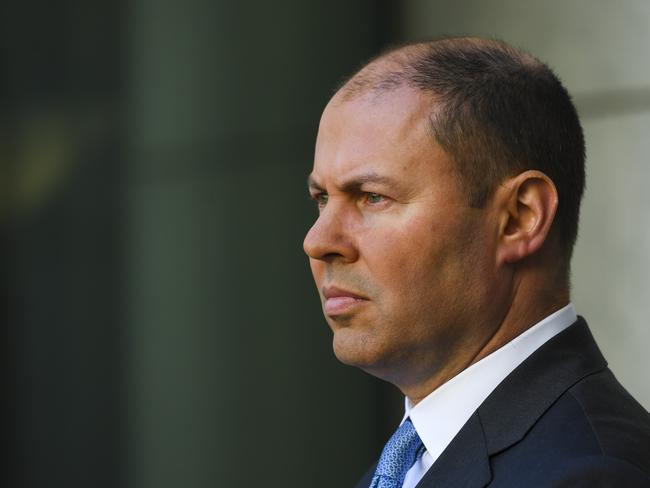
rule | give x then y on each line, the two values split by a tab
441	414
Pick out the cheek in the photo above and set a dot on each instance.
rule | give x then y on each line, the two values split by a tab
401	257
420	256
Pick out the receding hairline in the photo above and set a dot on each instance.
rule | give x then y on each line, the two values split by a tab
395	68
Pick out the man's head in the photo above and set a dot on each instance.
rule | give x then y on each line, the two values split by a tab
438	172
499	111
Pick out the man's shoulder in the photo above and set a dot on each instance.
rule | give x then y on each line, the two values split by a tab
594	433
585	471
620	425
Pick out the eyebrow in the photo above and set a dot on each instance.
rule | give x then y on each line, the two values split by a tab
355	183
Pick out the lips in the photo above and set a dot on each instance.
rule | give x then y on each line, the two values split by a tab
339	301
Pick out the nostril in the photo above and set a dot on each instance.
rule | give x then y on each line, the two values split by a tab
331	256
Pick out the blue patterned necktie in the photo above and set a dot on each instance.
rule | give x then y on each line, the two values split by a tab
399	454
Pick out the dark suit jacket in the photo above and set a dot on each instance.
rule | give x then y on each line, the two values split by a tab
560	419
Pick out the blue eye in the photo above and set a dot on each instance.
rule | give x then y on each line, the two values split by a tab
374	198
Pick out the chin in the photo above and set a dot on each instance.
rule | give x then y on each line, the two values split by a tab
360	350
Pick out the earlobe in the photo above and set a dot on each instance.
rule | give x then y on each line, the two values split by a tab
529	204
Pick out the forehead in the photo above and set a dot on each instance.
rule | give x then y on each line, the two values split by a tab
377	133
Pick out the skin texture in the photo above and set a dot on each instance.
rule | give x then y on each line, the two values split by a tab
415	284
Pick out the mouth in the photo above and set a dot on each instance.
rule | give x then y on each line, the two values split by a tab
339	301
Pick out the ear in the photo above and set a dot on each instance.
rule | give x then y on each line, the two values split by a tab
527	206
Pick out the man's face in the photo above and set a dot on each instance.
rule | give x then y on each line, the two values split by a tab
402	264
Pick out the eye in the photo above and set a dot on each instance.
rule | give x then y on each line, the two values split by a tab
374	198
320	199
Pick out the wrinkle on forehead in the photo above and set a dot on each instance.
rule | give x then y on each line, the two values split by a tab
403	105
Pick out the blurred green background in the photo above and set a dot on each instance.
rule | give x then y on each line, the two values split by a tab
161	327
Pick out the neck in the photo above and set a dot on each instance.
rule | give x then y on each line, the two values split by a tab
532	299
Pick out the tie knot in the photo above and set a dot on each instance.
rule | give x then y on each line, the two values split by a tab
399	454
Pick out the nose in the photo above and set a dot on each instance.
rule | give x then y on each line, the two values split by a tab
330	238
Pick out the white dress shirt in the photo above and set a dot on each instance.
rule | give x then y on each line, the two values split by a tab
441	414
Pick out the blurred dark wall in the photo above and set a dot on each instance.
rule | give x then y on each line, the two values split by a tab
62	165
163	327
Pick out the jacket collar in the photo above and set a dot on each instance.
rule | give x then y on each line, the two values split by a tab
465	462
515	406
521	399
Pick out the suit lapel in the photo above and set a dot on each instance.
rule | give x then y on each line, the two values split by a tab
523	397
464	463
514	407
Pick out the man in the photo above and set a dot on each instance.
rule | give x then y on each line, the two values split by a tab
448	177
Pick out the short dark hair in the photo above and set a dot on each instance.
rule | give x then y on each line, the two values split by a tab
499	111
